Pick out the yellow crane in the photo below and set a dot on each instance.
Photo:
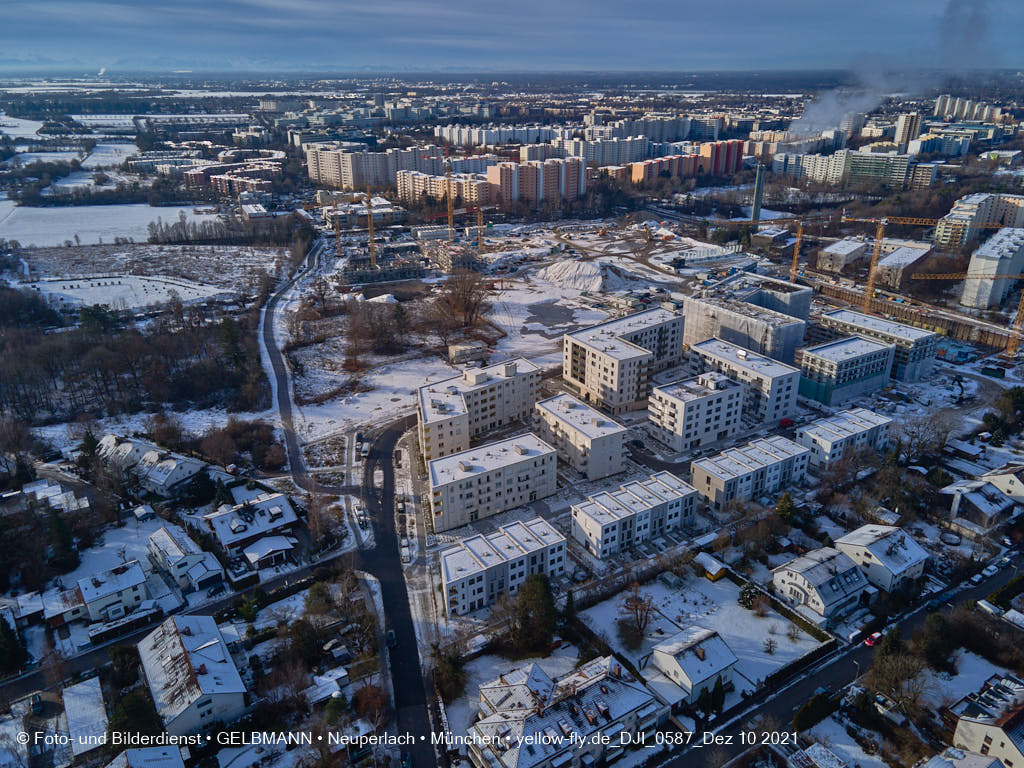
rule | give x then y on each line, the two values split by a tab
448	193
369	228
796	252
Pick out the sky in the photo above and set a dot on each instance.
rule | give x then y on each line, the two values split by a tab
515	35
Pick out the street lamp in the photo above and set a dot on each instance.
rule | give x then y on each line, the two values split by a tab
857	664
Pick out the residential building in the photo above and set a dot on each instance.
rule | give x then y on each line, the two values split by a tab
836	256
156	470
770	387
182	560
191	676
895	267
908	127
758	329
988	721
86	715
843	369
756	469
479	569
585	438
833	437
530	720
959	758
1001	256
236	527
537	181
149	757
610	364
695	412
978	507
453	411
961	224
890	559
961	108
1009	479
613	521
104	596
824	584
915	347
483	481
695	659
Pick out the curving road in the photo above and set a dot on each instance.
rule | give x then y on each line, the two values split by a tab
384	560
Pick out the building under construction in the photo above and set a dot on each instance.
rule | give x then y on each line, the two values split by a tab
384	265
452	257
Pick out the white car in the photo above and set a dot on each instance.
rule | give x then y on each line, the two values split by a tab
989	572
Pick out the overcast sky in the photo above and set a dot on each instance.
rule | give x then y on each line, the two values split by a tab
519	35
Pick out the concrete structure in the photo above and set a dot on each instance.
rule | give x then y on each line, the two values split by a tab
840	370
824	584
895	267
694	412
770	387
1000	255
585	438
613	521
452	412
915	347
191	675
908	127
960	225
182	560
483	481
529	720
609	364
833	437
763	331
481	568
756	469
889	558
988	721
104	596
836	256
695	659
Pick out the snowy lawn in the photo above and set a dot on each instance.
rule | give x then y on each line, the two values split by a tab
712	605
114	547
286	611
971	672
832	734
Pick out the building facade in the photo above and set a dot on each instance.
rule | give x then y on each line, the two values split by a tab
915	347
585	438
756	469
832	438
837	371
694	412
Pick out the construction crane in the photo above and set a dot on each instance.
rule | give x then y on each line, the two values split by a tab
369	229
448	193
1013	340
479	230
796	251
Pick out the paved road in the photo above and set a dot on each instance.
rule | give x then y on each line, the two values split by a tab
838	671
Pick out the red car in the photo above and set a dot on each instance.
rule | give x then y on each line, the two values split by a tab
873	639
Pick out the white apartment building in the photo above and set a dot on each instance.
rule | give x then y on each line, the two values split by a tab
483	481
1001	255
481	568
831	438
609	364
452	412
574	721
193	680
697	411
770	387
915	347
612	521
175	554
824	584
585	438
960	225
840	370
104	596
889	558
758	468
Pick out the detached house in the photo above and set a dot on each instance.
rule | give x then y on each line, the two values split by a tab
888	557
824	584
104	596
695	660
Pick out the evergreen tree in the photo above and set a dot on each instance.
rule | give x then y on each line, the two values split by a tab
785	509
535	614
569	612
718	695
65	557
704	702
12	650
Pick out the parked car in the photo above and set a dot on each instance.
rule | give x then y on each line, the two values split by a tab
989	572
1004	562
977	578
873	639
390	638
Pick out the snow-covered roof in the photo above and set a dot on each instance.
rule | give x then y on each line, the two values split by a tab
610	338
709	563
476	554
117	579
847	348
184	659
258	516
890	546
701	653
902	257
266	546
961	758
842	425
441	400
484	458
846	246
871	324
983	495
831	573
579	417
755	455
736	356
637	496
695	387
86	715
149	757
173	543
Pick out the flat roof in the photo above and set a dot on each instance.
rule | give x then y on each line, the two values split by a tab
607	337
606	507
846	348
446	398
742	358
695	387
844	424
845	246
478	553
903	256
996	252
741	306
579	416
483	458
736	462
879	325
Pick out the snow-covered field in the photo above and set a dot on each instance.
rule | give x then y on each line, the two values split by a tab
24	158
971	672
18	127
128	291
115	546
92	223
109	154
712	605
286	611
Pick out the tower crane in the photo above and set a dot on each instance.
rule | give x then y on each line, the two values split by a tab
369	228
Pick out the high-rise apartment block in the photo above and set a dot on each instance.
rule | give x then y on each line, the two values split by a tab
960	225
610	364
1001	256
537	181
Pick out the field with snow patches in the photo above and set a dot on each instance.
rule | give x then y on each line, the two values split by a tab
24	158
971	672
114	547
286	611
18	127
712	605
92	223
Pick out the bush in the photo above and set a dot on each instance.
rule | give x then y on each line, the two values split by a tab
816	709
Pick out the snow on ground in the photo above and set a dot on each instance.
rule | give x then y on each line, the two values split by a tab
114	547
18	127
463	711
971	671
109	154
255	755
832	734
288	611
127	291
712	605
590	276
77	180
92	223
24	158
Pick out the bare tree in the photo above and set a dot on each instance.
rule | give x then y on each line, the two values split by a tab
638	608
899	676
464	297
